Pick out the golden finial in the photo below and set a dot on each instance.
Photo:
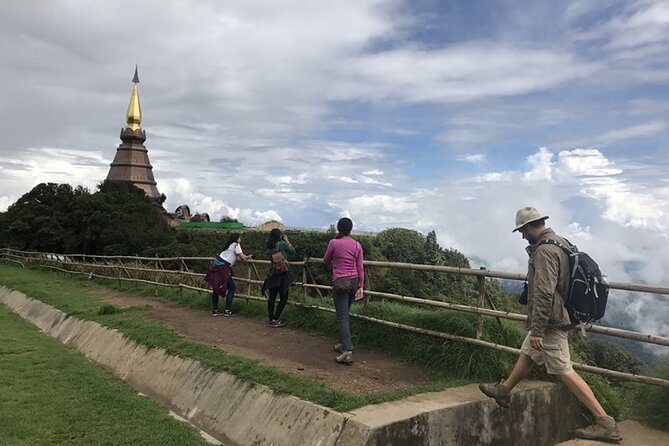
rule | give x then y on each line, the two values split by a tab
134	115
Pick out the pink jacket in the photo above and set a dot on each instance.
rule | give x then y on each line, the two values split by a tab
346	257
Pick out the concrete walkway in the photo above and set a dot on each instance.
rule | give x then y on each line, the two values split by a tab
633	433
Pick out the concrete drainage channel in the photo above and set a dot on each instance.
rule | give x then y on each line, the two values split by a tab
239	413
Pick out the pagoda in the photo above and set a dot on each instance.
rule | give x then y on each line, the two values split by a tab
131	162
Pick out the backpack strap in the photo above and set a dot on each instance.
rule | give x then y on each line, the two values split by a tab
571	251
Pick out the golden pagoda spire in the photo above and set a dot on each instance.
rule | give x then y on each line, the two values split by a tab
134	115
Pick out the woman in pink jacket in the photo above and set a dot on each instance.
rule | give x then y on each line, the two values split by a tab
348	278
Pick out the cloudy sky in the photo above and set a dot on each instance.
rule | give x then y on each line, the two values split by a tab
445	115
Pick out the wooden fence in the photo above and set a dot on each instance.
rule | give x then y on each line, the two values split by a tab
188	273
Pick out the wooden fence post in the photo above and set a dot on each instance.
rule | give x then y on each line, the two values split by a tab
304	280
248	288
479	325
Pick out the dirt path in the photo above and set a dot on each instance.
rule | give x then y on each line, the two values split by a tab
298	352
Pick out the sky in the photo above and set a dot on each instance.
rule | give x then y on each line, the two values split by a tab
430	115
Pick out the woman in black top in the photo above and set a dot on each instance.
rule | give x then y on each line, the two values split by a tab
277	282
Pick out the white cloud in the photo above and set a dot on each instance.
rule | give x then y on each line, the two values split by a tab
383	203
576	232
257	217
343	179
457	73
585	162
493	177
472	157
373	172
541	166
637	131
366	180
5	202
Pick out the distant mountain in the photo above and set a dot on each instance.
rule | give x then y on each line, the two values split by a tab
511	286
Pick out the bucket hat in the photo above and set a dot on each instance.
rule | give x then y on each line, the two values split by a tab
527	215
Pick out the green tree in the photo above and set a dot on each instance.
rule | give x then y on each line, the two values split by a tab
605	354
118	219
39	220
124	221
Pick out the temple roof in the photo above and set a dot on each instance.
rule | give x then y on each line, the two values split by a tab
134	114
131	162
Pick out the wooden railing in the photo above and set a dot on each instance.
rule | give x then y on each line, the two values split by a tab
188	273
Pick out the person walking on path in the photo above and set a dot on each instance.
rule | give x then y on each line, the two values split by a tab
219	275
348	278
279	278
548	321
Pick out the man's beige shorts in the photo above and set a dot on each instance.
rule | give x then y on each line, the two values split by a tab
555	354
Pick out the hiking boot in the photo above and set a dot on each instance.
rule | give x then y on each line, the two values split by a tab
604	429
227	313
216	313
497	391
346	357
339	347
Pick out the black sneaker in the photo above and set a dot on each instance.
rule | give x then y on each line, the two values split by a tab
216	313
228	313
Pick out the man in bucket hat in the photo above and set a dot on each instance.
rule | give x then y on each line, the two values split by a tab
548	321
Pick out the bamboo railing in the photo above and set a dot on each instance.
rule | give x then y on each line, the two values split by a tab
152	271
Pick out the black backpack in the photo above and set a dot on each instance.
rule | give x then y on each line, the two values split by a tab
588	289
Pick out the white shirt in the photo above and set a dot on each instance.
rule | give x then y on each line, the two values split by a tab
230	254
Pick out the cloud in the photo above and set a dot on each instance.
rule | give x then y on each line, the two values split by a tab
472	157
492	177
373	172
637	131
343	179
455	74
541	166
584	163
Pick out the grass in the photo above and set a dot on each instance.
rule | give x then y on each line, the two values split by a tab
51	395
449	362
77	296
655	408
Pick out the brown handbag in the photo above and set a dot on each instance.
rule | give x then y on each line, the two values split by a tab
280	263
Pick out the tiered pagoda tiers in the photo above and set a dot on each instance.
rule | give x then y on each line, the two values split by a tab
131	162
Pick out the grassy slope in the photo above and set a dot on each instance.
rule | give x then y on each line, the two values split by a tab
451	363
51	395
77	297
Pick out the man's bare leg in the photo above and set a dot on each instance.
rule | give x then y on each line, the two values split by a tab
582	391
520	371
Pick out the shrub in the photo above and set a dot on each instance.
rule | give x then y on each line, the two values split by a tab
652	402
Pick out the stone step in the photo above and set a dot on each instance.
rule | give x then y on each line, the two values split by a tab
633	433
541	413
